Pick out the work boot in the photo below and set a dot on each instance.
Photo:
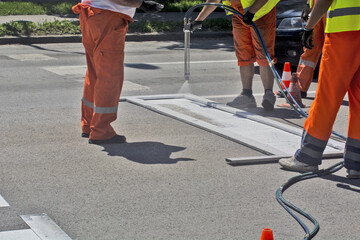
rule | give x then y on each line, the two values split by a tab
85	135
303	94
268	101
294	165
243	101
279	94
353	174
114	140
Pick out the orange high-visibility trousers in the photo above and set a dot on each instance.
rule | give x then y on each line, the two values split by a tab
310	57
246	43
339	74
103	36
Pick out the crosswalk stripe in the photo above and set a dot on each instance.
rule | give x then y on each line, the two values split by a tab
25	234
3	202
45	227
81	69
30	57
67	70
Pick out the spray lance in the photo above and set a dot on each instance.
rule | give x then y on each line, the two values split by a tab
187	30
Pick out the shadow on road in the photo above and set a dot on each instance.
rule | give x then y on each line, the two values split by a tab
146	152
344	183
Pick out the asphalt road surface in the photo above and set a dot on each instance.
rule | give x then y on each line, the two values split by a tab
170	180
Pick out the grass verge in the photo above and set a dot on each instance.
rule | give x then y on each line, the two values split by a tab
64	7
25	28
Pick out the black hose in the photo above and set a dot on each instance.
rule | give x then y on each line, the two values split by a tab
287	205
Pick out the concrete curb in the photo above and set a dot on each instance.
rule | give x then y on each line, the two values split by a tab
131	37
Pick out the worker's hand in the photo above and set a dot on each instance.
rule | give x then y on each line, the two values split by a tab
305	13
151	6
248	17
196	25
307	38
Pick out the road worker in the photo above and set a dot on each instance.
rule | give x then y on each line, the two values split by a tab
339	74
248	49
310	58
104	24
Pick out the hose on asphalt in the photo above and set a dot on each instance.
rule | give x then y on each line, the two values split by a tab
279	192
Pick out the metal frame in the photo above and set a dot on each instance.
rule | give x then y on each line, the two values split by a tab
271	154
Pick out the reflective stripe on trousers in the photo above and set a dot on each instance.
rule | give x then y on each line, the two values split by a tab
311	149
352	154
101	110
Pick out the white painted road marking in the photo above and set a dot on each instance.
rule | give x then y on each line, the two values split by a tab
25	234
235	95
249	129
81	69
67	70
44	227
30	57
3	202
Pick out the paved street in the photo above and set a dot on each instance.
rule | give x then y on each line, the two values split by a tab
170	180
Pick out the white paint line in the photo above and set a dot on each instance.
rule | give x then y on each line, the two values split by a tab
81	69
130	86
195	62
235	95
30	57
44	227
249	129
25	234
3	202
67	70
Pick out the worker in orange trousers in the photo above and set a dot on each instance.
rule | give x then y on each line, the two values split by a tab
247	46
104	24
339	75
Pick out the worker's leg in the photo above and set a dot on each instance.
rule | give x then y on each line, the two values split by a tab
352	152
310	57
247	74
267	29
267	77
87	106
338	67
109	66
246	57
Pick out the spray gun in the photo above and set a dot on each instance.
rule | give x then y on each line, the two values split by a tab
187	31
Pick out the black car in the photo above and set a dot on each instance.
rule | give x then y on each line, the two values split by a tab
288	31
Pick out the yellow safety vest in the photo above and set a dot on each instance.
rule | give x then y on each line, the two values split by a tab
343	16
227	3
262	11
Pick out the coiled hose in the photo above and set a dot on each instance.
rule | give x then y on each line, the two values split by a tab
282	201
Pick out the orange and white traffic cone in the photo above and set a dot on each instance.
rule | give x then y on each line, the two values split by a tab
294	91
286	78
267	234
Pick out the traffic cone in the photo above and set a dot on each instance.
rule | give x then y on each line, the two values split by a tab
286	78
294	90
267	234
